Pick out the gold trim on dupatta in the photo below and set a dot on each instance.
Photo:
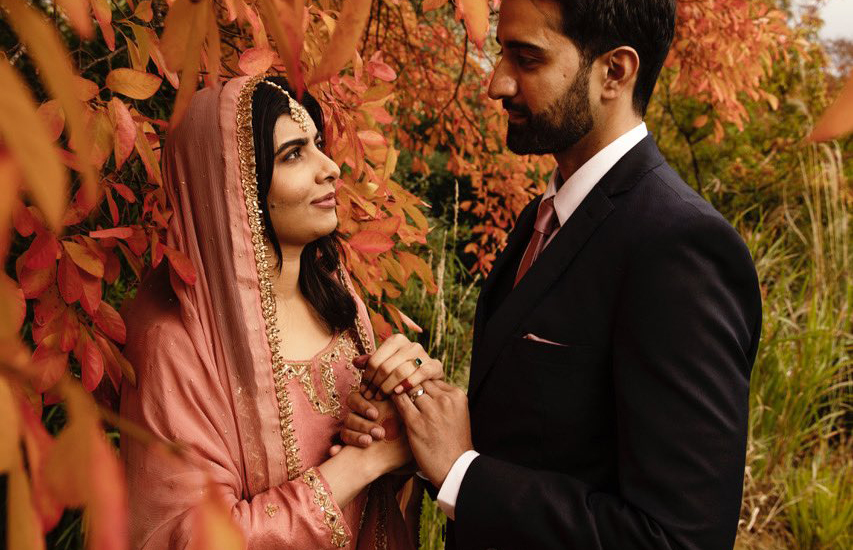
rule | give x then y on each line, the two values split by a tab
248	179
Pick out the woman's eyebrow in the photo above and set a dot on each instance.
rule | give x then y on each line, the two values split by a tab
302	142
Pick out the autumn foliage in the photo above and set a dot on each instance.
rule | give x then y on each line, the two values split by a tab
82	208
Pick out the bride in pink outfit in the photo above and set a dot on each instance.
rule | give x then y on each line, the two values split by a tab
230	365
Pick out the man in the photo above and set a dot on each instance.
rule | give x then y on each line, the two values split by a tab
615	335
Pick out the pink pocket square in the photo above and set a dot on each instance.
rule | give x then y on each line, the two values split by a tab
531	336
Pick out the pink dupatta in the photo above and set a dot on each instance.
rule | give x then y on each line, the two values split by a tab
205	354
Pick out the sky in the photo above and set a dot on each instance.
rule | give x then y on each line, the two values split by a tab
838	18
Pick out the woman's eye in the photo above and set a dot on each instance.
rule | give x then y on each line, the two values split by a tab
293	155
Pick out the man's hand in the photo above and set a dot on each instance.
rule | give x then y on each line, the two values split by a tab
438	427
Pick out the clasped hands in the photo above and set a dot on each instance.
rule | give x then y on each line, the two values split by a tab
436	421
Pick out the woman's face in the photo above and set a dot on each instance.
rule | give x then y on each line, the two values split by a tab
301	198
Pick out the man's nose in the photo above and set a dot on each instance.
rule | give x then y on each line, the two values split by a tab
503	84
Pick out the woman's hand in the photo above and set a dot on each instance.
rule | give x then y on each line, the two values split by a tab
398	365
391	450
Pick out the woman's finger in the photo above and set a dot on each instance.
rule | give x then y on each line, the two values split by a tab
432	369
388	348
356	439
335	449
366	427
397	367
361	406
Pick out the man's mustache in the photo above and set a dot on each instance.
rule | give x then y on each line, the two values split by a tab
516	109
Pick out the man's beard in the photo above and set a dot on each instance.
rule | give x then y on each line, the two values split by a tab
564	123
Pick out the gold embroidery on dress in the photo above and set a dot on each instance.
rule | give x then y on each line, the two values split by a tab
248	180
271	509
331	517
344	348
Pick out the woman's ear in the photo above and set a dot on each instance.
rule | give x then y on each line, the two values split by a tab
623	65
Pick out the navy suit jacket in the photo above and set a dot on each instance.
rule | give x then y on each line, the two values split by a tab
633	433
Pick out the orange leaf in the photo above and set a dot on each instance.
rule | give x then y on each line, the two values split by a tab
149	159
108	320
78	15
86	89
33	150
132	83
53	117
104	15
379	69
85	258
344	40
371	242
13	307
181	264
124	130
38	443
143	11
387	226
173	44
283	19
372	138
111	365
430	5
476	16
68	278
45	47
837	121
197	14
213	53
213	523
256	60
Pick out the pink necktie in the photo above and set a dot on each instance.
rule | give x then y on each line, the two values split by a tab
546	223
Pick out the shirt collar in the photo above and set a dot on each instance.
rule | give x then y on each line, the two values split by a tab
575	189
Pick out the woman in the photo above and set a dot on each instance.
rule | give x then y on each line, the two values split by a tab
230	365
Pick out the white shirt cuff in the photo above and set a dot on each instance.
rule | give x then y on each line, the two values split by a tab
450	488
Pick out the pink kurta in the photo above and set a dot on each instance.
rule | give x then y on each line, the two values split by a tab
210	375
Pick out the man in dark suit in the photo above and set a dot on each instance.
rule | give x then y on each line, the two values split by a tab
615	335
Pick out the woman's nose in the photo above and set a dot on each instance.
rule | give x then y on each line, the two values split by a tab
330	171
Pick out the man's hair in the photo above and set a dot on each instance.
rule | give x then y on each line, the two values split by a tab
648	26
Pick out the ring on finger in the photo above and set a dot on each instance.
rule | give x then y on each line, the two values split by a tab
418	362
415	394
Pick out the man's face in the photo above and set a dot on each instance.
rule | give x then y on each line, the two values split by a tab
542	79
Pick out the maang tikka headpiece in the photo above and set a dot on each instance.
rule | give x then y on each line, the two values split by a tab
297	112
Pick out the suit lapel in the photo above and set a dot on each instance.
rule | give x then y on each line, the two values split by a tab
554	260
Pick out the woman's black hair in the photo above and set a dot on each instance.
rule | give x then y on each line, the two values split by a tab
319	262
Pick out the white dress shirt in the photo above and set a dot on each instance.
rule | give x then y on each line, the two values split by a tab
566	200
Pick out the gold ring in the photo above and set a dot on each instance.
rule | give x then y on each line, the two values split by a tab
418	362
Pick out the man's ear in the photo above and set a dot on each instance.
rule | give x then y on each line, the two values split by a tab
622	67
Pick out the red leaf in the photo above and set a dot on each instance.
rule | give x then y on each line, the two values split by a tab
87	260
13	303
38	444
48	307
112	205
111	365
112	268
256	60
124	130
138	242
24	221
117	232
379	69
43	251
70	283
35	281
125	192
53	117
91	297
108	320
181	264
371	242
69	330
48	364
91	362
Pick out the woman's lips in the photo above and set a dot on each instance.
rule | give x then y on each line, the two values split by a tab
327	201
